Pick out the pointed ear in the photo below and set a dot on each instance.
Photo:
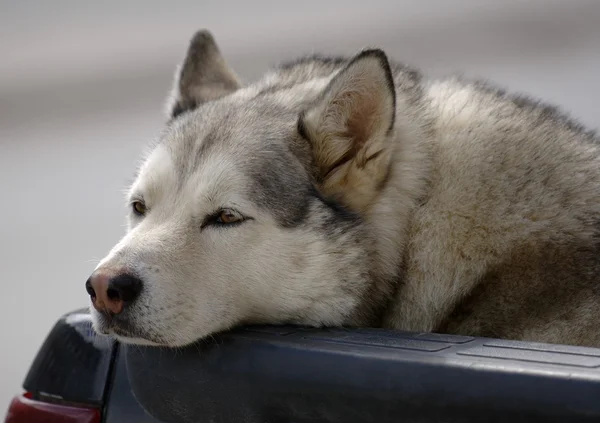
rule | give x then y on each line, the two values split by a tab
203	76
349	128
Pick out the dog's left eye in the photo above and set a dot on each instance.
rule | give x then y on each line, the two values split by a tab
139	208
224	217
228	216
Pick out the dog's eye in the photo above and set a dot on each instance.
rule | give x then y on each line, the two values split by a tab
139	208
228	216
224	217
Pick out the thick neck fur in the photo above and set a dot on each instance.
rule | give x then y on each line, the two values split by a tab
387	219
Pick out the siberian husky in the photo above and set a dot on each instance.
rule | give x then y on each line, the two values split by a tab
354	192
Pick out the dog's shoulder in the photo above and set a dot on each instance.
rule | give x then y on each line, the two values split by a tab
458	99
510	174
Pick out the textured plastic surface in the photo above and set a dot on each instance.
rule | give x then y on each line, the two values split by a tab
268	375
73	364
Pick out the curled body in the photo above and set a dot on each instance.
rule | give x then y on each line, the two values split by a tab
356	192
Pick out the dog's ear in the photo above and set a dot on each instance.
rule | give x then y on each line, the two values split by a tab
203	76
349	128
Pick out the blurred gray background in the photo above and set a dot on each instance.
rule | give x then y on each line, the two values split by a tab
82	87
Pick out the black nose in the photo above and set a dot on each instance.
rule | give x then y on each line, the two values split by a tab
112	293
124	287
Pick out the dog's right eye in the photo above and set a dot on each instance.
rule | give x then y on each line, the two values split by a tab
139	208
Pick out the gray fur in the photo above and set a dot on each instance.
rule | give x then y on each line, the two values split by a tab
373	197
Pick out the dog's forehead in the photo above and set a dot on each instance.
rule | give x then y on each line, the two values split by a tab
229	149
235	129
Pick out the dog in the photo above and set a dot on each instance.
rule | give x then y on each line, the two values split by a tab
354	192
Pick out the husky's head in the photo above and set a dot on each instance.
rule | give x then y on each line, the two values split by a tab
258	204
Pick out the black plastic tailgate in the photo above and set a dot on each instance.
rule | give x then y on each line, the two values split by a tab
280	374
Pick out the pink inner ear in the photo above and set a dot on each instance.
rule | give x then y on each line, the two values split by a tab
362	111
361	122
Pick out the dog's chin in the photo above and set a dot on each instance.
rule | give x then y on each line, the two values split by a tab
125	335
129	340
125	332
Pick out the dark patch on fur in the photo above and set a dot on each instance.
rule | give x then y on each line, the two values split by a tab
301	126
280	187
209	141
520	295
375	303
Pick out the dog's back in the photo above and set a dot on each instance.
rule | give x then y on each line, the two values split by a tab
505	243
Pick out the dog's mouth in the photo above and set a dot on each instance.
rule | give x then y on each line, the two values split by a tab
124	331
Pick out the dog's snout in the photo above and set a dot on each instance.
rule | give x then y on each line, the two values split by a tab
111	293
